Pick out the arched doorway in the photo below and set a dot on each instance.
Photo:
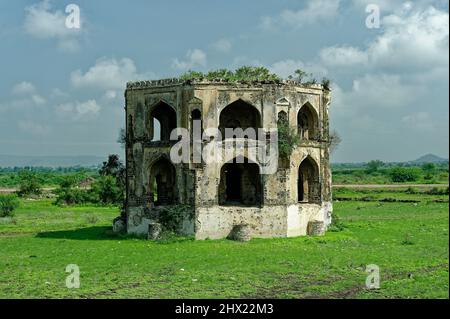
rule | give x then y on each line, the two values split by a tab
308	123
240	184
162	115
308	184
162	182
239	114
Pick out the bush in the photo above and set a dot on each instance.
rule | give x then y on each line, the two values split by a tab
429	170
107	190
336	224
242	74
29	183
171	217
401	175
287	139
438	191
373	166
71	196
8	203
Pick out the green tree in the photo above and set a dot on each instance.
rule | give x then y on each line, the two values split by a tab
8	203
429	170
300	75
403	174
107	190
29	183
287	138
373	166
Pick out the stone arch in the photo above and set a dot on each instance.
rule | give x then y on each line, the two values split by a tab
166	117
196	114
162	182
308	123
240	183
239	114
282	117
308	182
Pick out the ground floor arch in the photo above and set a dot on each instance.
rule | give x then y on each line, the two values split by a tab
240	184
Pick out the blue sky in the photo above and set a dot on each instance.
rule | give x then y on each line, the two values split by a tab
61	90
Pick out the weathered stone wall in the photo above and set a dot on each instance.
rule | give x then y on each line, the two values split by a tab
279	213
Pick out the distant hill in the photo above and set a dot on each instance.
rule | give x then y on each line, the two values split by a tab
429	158
50	161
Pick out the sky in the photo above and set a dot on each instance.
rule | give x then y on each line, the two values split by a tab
61	89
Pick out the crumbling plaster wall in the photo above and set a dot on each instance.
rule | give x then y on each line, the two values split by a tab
280	214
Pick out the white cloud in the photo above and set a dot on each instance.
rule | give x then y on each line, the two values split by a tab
110	95
33	128
375	92
343	56
315	11
78	111
38	100
24	88
194	58
411	40
43	23
417	39
222	45
107	74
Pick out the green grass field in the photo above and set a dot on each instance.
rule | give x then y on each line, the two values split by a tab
408	241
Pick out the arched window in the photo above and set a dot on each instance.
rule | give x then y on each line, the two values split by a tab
162	182
196	130
239	114
308	123
163	119
308	181
156	130
282	117
240	184
196	115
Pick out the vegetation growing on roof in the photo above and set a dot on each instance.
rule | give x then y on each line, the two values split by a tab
242	74
253	74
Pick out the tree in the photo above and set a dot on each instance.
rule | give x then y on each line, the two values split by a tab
334	140
373	166
8	203
113	168
107	190
429	170
402	174
287	138
326	83
300	75
122	139
29	183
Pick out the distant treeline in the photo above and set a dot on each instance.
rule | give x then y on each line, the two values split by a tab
47	177
39	169
340	166
377	172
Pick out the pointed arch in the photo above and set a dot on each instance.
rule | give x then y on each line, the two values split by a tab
239	114
162	182
162	120
308	123
240	183
308	183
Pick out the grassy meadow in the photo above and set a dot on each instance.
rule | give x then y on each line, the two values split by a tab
408	240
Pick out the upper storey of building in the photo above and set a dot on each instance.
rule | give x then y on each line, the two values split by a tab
170	103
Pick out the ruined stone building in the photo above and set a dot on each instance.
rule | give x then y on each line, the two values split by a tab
293	200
